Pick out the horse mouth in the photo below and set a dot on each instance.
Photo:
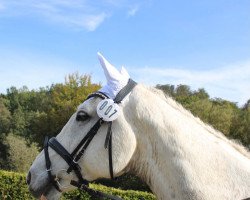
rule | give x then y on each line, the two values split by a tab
36	193
43	197
45	192
41	192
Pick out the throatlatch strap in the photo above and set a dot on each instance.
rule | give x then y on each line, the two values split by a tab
108	144
108	135
111	171
108	141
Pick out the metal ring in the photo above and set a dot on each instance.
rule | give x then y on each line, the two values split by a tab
60	185
57	179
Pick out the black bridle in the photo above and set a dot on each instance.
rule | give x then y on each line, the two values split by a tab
73	158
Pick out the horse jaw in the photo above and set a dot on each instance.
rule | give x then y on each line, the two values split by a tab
51	195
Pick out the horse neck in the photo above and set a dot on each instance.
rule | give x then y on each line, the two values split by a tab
178	156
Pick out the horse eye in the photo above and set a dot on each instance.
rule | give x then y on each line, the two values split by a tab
81	116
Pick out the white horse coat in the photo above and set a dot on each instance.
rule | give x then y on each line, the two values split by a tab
176	154
180	157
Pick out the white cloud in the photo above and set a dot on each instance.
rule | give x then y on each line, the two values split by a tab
83	14
230	82
117	3
133	10
92	22
78	13
87	22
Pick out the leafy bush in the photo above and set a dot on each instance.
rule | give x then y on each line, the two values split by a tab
13	186
5	121
125	182
124	194
21	155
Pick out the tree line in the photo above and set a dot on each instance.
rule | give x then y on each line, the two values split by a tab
33	114
233	121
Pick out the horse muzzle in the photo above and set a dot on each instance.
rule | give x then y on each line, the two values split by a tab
37	185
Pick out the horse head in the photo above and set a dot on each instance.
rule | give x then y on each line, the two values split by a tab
95	162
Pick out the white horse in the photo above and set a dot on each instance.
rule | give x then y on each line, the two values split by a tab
175	153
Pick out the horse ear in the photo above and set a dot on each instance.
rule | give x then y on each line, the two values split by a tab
116	80
110	71
124	72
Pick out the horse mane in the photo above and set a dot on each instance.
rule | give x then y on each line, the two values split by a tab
169	100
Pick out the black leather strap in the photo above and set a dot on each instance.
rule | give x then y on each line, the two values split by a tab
125	91
92	131
98	94
57	147
111	171
108	135
48	164
108	141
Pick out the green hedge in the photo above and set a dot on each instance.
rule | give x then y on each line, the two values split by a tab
13	186
125	182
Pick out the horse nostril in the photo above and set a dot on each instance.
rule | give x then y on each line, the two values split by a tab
28	178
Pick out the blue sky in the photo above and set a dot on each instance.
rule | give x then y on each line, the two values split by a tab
202	43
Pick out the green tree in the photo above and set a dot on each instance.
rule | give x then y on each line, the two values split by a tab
240	128
5	116
221	115
61	101
217	112
5	121
183	95
21	156
201	94
167	89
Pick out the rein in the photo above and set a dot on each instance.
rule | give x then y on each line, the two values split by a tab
73	158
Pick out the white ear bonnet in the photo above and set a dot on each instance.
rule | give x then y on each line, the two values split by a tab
116	80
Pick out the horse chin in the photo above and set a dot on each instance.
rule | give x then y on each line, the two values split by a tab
48	193
51	194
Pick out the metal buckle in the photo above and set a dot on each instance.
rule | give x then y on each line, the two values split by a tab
49	170
76	162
